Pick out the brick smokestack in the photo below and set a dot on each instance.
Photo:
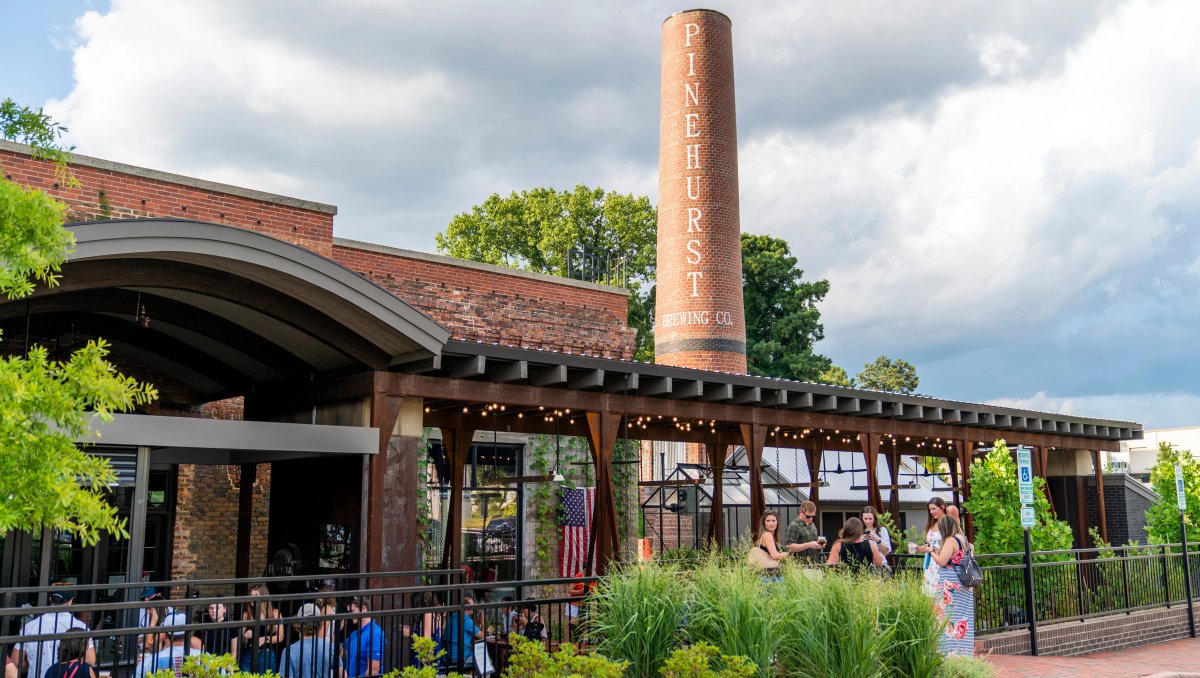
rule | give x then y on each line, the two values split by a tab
700	317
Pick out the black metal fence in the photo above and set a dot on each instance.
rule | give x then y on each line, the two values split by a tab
364	624
1077	584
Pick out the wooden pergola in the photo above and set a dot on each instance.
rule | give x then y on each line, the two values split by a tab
541	392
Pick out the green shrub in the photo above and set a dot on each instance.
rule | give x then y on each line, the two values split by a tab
958	666
530	660
637	614
705	661
211	666
732	610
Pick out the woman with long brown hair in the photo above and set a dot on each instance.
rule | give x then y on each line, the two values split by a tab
852	549
766	553
256	651
933	539
955	603
873	531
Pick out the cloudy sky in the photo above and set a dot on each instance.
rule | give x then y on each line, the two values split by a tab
1005	194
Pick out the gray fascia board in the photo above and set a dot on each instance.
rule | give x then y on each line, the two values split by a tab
221	434
971	414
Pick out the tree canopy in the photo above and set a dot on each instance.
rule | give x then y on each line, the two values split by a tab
533	230
1162	519
782	319
46	480
886	374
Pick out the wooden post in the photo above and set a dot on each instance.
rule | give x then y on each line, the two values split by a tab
602	437
870	447
754	436
953	463
966	451
815	456
1100	493
893	463
1040	458
457	444
717	454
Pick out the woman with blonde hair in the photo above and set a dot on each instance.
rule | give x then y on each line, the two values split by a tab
954	602
256	651
851	549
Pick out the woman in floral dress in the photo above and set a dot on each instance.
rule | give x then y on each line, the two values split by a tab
955	603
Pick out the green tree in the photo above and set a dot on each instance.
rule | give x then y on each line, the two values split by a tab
46	480
1162	519
885	374
782	319
836	376
533	230
995	507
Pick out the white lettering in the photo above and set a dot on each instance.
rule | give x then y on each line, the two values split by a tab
693	248
694	215
689	31
723	318
694	195
693	156
691	127
691	63
695	278
691	94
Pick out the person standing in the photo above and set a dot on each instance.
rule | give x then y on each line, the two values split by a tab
176	646
800	538
313	656
257	647
852	549
875	532
955	603
217	641
44	653
363	648
933	540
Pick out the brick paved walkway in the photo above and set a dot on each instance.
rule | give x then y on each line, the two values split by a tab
1175	658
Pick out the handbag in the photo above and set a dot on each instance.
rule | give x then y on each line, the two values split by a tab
969	573
760	559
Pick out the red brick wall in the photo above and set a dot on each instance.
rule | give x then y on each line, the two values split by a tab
699	316
206	521
476	303
130	196
1073	638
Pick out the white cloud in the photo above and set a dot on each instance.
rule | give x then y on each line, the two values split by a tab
992	209
1003	55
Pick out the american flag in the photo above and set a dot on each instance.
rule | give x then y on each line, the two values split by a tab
576	530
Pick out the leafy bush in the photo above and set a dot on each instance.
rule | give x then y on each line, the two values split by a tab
637	615
211	666
958	666
530	660
996	508
706	661
1162	519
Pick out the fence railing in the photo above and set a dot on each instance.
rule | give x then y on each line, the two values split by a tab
1077	584
353	628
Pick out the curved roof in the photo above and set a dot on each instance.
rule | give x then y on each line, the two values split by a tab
219	308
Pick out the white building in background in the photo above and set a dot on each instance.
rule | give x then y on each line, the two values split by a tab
1137	457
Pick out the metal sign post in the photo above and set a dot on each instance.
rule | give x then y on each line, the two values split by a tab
1028	520
1181	502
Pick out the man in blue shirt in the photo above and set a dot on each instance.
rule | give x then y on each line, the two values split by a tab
464	638
365	645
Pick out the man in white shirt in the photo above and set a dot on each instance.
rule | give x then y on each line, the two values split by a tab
176	646
43	654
